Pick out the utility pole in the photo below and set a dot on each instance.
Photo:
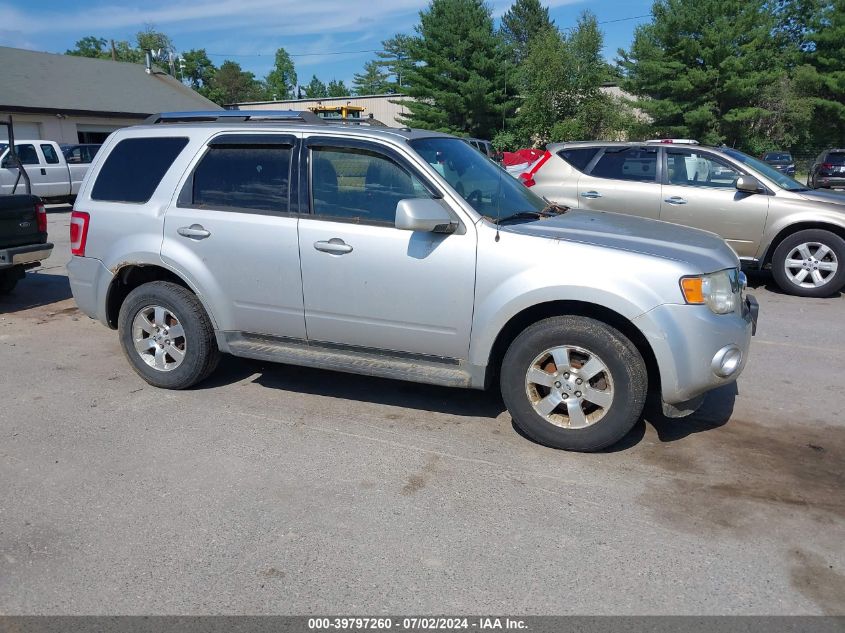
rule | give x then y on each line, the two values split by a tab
113	52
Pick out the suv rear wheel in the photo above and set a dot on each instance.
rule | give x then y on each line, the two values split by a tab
167	336
810	263
574	383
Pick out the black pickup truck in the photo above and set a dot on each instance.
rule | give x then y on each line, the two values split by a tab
23	237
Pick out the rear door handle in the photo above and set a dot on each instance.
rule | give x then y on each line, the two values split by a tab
336	246
195	231
675	200
43	172
591	194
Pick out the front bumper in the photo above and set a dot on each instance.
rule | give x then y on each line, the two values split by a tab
691	344
21	255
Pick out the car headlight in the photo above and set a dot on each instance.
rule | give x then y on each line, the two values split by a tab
720	291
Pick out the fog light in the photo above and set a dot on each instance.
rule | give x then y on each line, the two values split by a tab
726	361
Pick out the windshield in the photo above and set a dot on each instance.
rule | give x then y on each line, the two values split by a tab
779	178
487	187
778	157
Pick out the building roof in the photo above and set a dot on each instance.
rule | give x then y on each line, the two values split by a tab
32	81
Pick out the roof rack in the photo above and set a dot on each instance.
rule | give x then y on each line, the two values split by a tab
258	116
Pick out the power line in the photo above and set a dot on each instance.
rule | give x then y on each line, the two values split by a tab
378	50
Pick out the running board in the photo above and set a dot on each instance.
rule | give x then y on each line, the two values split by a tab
414	368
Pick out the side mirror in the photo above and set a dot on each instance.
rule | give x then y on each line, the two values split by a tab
424	214
748	184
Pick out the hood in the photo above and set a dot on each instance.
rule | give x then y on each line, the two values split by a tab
817	195
704	251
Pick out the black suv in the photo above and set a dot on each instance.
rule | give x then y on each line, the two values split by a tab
828	171
782	161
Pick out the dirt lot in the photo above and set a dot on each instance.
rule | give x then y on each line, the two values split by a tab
274	489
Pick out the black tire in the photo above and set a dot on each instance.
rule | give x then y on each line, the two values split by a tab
201	351
834	282
621	358
8	280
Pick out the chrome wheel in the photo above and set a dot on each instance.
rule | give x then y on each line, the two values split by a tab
811	265
569	386
159	338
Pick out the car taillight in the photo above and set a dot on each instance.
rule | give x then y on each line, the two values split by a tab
827	166
41	217
78	232
527	177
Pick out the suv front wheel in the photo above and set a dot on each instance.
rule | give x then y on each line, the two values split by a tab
574	383
167	336
810	263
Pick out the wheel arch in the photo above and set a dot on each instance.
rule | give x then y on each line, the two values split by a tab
130	276
530	315
795	228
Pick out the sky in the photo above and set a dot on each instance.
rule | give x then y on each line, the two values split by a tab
330	38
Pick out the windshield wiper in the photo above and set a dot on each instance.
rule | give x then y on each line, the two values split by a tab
549	211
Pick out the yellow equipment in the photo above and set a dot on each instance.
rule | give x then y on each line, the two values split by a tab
345	111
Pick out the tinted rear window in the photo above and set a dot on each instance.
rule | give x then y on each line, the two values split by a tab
578	158
777	156
134	168
248	178
837	158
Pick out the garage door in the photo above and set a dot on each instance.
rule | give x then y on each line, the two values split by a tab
29	131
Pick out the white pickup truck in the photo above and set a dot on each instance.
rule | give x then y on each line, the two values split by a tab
51	175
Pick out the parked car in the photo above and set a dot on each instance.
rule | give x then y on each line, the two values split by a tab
485	147
362	250
51	175
782	161
23	238
828	170
769	219
80	154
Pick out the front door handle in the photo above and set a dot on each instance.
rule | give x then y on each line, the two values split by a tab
591	194
335	246
195	232
675	200
43	172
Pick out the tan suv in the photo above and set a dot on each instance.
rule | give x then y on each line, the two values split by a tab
768	218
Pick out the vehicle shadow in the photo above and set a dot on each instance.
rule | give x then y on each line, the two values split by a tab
34	291
332	384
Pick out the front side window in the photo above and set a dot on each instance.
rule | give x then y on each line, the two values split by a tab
359	185
50	154
627	163
695	169
135	167
249	178
488	188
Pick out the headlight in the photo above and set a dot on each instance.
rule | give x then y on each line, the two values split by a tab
720	291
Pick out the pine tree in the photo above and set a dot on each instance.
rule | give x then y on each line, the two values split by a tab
337	89
521	23
281	81
395	58
459	85
701	66
373	81
316	89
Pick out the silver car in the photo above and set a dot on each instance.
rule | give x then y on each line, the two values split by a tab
769	219
397	253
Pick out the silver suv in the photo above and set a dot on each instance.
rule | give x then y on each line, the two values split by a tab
398	253
768	218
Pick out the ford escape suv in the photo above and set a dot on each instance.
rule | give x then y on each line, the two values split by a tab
769	219
398	253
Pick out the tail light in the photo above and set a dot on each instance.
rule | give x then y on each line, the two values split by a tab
78	232
41	217
827	166
527	177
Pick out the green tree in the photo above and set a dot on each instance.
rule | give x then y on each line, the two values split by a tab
395	58
524	20
281	81
337	89
701	67
90	46
373	81
316	89
197	69
459	83
232	84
